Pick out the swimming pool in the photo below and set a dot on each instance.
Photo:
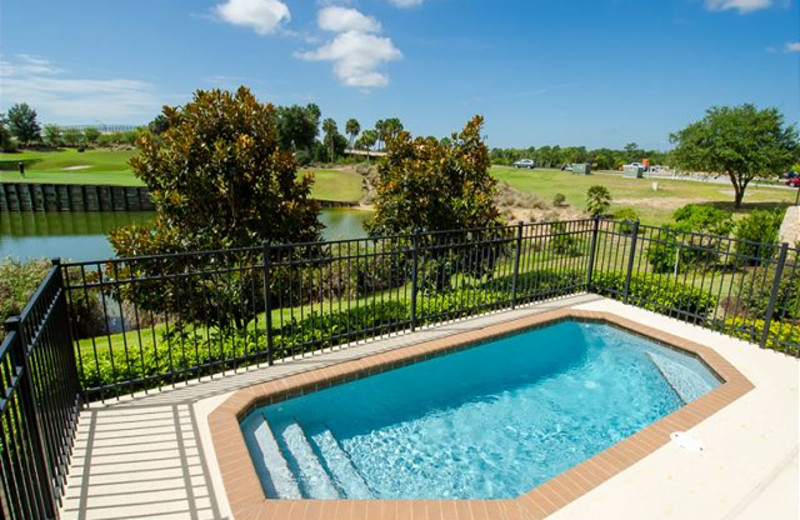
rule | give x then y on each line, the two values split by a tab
491	421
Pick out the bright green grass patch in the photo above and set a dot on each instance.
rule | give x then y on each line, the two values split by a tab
112	167
337	185
653	207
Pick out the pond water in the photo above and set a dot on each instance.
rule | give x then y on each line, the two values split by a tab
82	236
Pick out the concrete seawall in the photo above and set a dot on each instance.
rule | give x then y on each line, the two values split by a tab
24	196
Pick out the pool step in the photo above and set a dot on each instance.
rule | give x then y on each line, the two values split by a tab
687	383
316	481
279	481
341	468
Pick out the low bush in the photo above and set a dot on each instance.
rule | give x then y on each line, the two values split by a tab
627	216
756	229
782	336
19	280
657	293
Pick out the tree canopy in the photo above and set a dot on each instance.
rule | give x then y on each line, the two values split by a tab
298	126
741	142
23	123
220	179
427	184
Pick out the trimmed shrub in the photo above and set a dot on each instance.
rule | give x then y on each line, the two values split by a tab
758	228
782	336
657	293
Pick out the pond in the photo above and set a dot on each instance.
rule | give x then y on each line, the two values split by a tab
82	236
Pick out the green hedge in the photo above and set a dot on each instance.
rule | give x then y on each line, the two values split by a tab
783	336
317	330
656	293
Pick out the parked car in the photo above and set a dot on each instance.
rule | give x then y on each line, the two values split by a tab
794	182
525	163
567	167
789	175
635	165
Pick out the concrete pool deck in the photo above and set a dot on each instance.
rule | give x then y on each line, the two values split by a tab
153	457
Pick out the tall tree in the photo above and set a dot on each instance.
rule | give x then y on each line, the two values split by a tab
433	185
5	134
633	153
219	179
392	127
23	124
91	134
353	128
427	184
52	135
331	131
380	132
741	142
298	126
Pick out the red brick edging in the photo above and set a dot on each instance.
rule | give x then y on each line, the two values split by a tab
248	502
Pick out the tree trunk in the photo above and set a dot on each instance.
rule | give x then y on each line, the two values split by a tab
738	197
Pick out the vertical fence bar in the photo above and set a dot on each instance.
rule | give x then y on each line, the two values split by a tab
776	285
517	254
634	235
414	269
30	413
592	249
267	300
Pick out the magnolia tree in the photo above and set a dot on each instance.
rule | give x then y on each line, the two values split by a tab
741	142
219	180
432	185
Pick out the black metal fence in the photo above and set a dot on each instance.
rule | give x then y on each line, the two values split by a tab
39	406
150	321
101	329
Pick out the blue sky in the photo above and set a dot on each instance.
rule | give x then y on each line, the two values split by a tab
568	72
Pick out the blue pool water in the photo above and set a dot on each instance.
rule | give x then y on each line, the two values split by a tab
489	422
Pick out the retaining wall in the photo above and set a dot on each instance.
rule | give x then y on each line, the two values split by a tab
24	196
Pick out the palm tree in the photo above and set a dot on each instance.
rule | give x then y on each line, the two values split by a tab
330	129
353	128
380	130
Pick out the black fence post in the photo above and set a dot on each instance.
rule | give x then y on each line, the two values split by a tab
29	411
414	269
266	250
635	234
592	249
776	286
517	254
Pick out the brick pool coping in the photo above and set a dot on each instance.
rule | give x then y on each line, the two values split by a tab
247	500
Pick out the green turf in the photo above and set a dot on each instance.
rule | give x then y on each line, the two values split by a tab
336	185
111	167
101	167
653	207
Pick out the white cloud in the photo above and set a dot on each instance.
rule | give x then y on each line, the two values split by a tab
404	4
357	51
343	19
743	6
356	57
263	16
73	100
792	46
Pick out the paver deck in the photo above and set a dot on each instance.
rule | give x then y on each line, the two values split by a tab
151	456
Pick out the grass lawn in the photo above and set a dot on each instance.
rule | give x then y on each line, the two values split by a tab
70	167
653	207
111	167
336	185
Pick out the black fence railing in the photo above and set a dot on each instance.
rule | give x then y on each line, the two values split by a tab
39	406
106	328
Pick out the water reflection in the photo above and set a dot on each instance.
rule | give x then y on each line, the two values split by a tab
82	236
